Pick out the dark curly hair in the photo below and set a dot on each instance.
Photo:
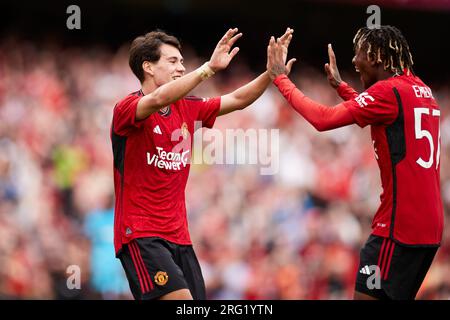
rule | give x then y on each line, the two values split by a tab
385	45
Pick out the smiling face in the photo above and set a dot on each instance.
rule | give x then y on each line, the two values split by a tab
168	68
366	68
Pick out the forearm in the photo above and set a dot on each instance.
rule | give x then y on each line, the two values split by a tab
245	95
321	117
248	93
167	94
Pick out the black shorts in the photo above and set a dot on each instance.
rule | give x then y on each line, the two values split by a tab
388	270
155	267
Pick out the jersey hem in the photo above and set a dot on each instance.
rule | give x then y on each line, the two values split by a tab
409	245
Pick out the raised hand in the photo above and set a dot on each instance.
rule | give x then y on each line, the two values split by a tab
333	76
277	55
284	41
222	56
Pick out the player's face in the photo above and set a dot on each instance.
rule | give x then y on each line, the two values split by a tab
169	67
365	67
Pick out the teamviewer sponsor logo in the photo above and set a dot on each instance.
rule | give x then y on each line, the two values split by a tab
168	160
374	279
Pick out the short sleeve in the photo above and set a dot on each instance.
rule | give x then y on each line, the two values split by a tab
207	109
375	106
124	118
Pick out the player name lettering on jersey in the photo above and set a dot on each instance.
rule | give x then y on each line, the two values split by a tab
422	92
168	160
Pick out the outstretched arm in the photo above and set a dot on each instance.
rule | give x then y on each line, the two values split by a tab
320	116
247	94
175	90
346	92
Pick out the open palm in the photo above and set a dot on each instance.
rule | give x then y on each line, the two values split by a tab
222	56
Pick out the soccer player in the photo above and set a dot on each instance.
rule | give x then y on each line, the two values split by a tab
151	138
404	120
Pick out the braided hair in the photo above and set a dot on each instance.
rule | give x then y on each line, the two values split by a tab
385	45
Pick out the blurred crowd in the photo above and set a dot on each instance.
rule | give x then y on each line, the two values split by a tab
295	234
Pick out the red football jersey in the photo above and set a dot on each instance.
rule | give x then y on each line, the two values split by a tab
151	167
404	119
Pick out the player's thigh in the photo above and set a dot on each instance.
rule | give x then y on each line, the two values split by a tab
408	270
182	294
151	269
423	269
401	269
362	296
193	273
369	282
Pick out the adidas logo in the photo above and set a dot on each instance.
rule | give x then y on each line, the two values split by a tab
157	129
365	270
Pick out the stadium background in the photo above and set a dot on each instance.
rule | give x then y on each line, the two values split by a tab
294	235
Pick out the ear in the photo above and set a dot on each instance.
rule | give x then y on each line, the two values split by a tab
373	60
147	66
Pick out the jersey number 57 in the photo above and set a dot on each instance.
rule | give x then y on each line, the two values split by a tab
421	133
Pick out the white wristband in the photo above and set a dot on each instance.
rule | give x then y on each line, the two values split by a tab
205	71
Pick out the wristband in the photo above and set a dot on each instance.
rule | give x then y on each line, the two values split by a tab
205	71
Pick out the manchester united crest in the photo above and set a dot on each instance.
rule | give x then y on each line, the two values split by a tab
161	278
184	130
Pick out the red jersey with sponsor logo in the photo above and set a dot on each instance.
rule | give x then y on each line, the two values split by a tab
404	119
151	167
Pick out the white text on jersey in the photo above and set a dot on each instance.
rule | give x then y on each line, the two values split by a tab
422	92
361	99
168	160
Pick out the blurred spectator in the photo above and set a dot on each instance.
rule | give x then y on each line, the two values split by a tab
292	235
107	276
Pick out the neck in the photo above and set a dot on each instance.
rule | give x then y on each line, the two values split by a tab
384	74
148	87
